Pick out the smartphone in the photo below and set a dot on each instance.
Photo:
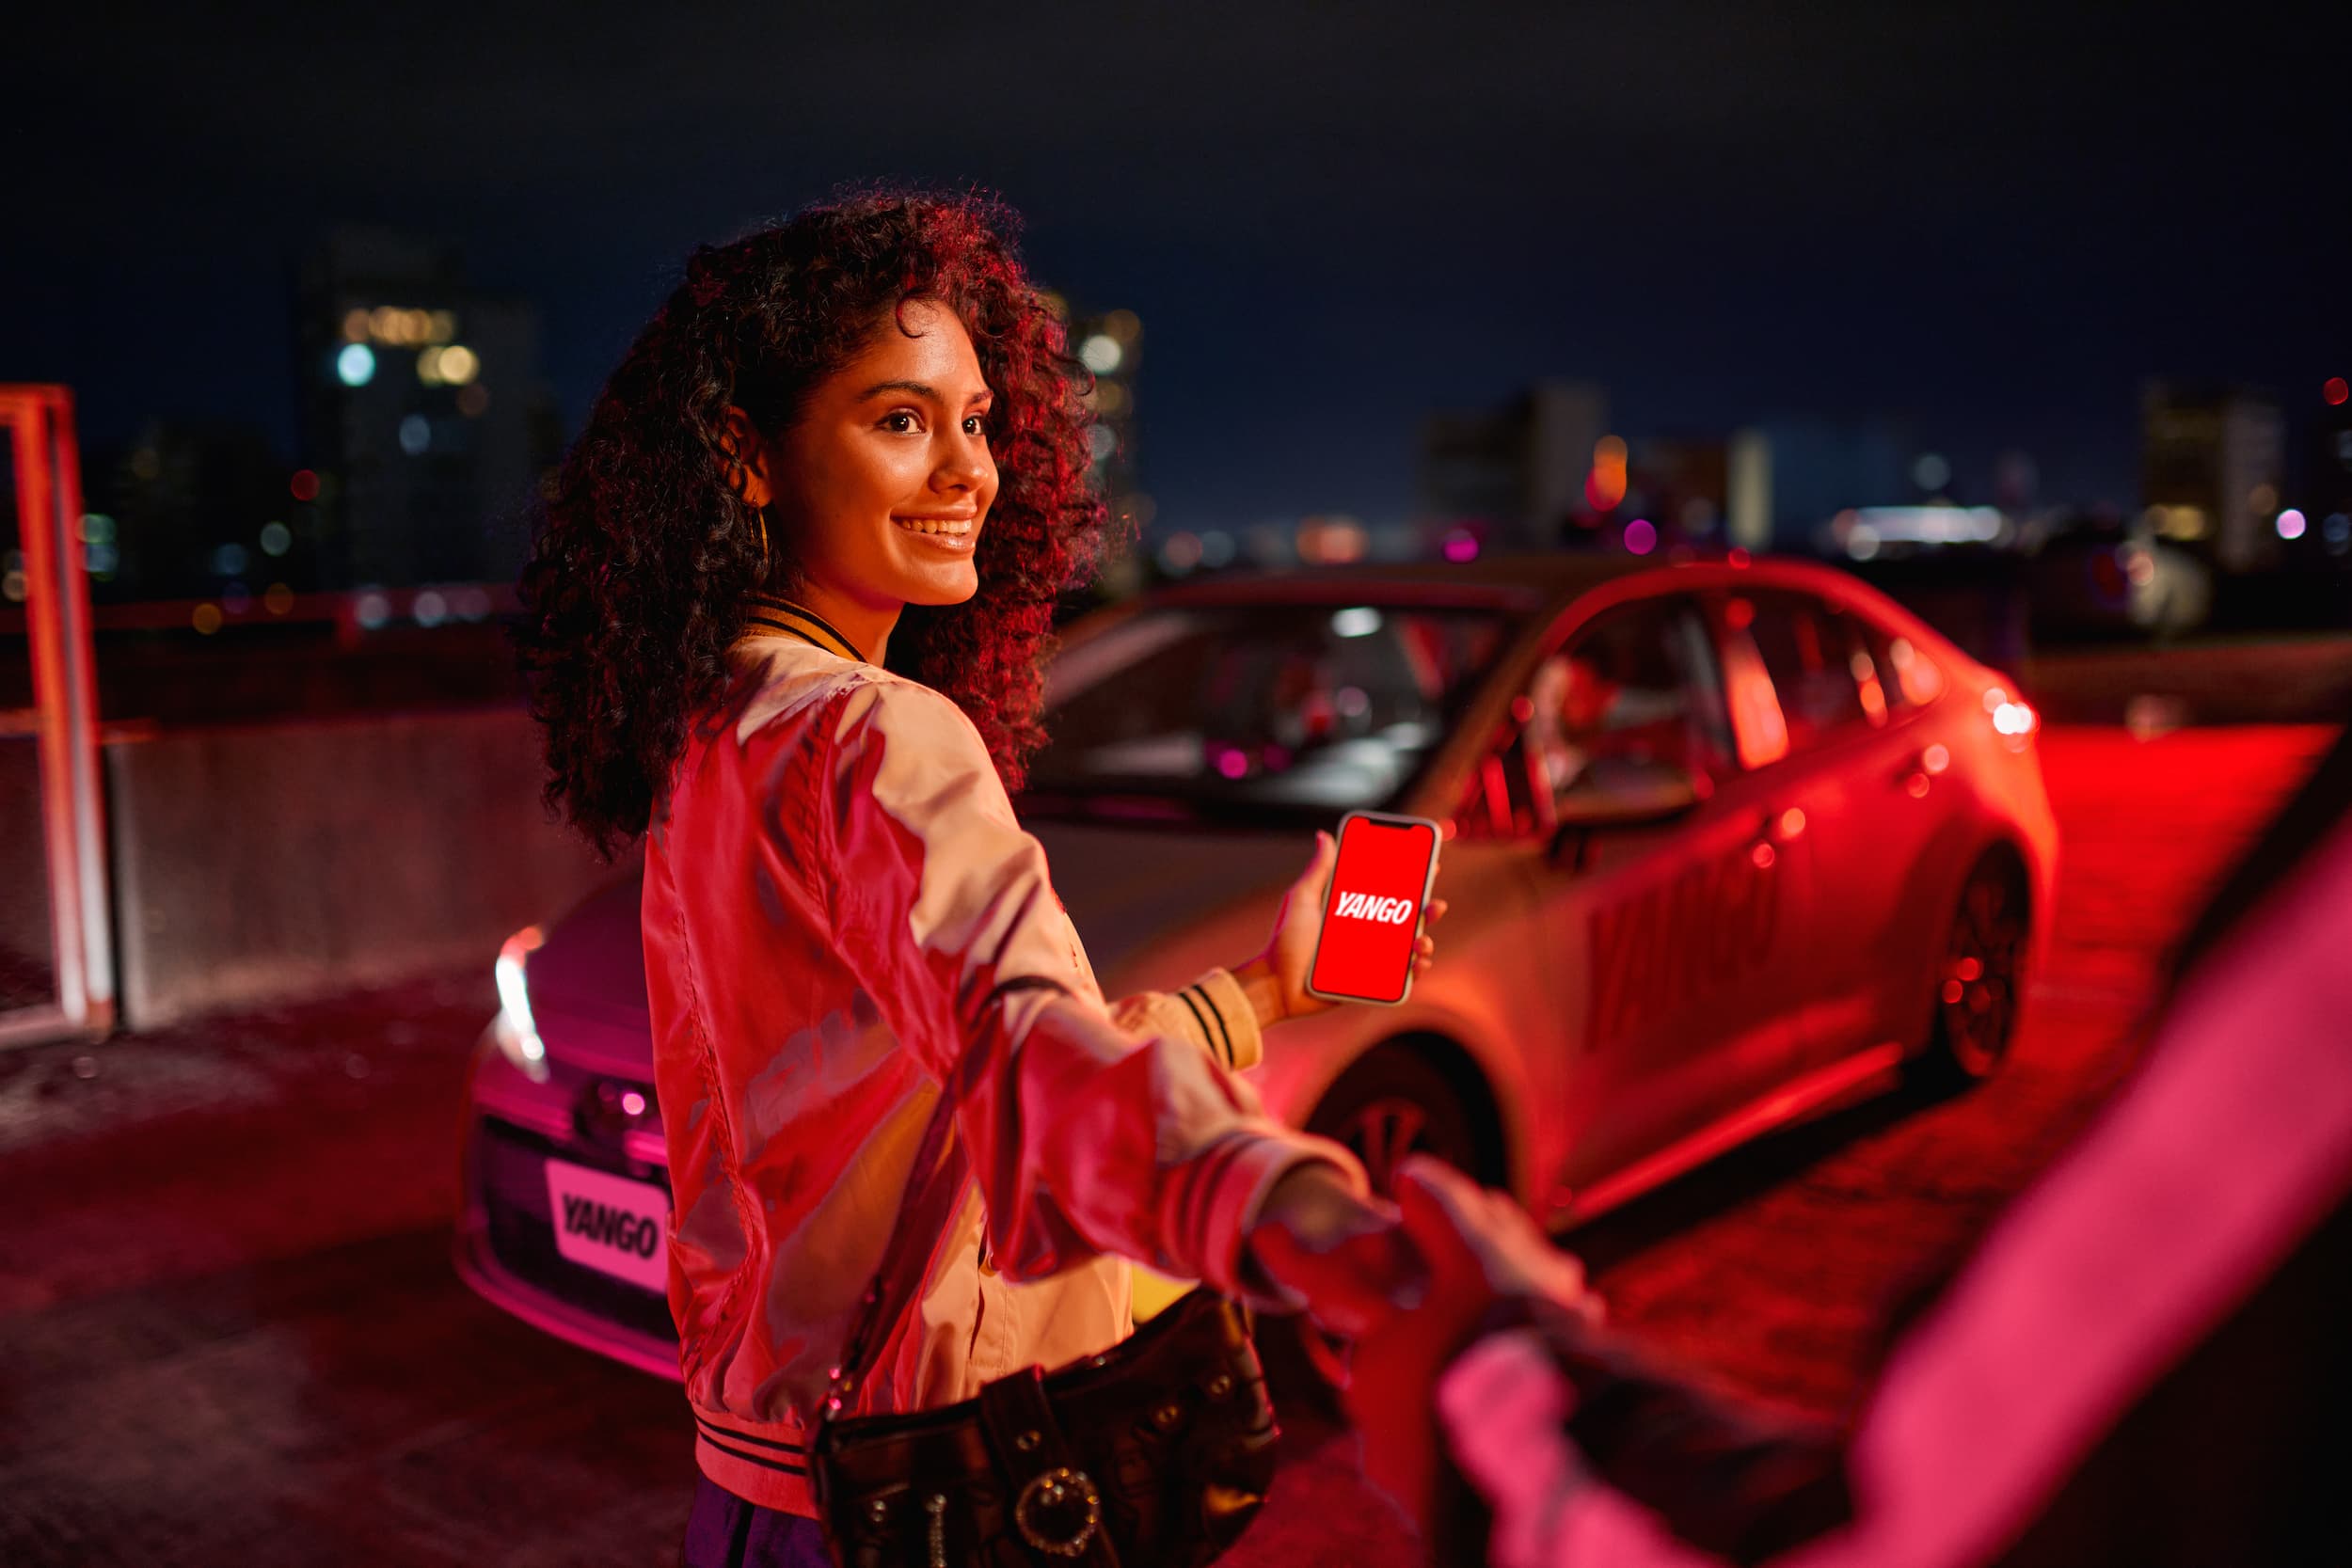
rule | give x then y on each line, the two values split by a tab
1372	914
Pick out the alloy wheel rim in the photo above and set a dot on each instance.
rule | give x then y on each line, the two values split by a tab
1978	990
1381	1134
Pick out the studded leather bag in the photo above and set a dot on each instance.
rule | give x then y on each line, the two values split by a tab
1156	1453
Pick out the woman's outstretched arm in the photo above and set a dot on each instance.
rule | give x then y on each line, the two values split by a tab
1086	1137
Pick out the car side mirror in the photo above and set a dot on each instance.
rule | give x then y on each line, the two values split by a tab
1619	792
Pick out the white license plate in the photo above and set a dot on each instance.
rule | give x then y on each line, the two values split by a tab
609	1223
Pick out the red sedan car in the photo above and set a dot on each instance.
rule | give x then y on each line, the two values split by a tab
1727	843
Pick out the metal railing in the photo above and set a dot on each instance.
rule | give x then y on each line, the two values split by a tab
67	804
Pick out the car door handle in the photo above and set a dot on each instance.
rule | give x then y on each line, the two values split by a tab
1774	830
1918	776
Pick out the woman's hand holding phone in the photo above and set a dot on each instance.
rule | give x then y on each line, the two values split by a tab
1276	981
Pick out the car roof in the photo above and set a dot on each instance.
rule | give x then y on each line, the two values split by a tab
1503	581
1522	582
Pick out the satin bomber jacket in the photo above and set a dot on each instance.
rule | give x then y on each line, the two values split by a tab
843	922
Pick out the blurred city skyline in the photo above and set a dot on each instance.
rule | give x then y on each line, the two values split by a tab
1988	226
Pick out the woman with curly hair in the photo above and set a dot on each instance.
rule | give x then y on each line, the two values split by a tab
783	616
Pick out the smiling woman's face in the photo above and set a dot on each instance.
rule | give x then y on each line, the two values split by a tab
884	481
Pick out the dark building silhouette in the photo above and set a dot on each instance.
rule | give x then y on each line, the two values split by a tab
194	509
2211	462
1521	469
2326	487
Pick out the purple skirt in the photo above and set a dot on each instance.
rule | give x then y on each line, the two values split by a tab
724	1531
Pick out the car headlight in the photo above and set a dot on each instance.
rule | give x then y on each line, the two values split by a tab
517	1035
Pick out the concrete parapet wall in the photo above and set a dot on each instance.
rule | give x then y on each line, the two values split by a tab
255	861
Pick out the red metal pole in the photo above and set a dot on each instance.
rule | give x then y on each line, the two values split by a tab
39	419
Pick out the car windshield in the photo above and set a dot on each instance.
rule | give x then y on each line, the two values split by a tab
1269	712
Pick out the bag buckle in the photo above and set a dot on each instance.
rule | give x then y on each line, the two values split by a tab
1048	1501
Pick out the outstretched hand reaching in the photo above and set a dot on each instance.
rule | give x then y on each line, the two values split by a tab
1478	1246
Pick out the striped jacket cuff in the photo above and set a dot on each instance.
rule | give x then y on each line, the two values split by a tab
1227	1023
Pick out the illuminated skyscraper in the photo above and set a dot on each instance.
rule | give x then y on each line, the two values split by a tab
1111	347
422	413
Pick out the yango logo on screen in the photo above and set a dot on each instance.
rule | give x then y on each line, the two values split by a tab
1364	906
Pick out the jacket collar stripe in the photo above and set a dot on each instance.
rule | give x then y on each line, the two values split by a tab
777	628
786	616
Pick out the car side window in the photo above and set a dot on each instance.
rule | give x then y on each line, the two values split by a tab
1907	677
1816	661
1635	690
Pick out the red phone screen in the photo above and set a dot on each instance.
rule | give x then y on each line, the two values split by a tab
1373	911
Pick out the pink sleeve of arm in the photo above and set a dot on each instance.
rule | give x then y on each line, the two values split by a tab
1505	1406
1085	1137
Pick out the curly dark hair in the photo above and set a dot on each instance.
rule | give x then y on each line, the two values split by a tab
642	554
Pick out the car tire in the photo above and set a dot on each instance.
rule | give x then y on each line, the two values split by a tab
1980	977
1392	1102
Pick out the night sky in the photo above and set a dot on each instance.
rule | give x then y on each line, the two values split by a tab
1988	222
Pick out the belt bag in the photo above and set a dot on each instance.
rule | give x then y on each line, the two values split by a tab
1156	1453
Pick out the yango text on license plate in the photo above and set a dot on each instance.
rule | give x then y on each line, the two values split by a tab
609	1224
